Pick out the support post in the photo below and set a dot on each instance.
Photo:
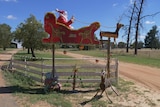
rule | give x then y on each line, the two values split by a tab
74	79
108	58
53	60
26	68
42	70
117	73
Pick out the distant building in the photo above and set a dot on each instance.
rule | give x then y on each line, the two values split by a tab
15	45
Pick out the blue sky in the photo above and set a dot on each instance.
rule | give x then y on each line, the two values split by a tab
107	12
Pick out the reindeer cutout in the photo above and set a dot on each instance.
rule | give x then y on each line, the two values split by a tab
105	83
112	34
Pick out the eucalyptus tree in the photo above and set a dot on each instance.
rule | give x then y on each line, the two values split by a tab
152	40
30	34
5	36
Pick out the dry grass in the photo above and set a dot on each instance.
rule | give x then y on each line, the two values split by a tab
141	52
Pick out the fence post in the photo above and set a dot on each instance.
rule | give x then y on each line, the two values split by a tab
117	73
11	63
75	70
25	60
42	70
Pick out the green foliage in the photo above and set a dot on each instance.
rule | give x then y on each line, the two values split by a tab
139	45
5	36
30	33
121	45
151	40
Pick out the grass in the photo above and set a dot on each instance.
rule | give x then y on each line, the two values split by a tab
144	57
7	49
30	91
140	60
39	54
149	58
25	88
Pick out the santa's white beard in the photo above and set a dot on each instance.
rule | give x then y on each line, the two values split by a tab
65	16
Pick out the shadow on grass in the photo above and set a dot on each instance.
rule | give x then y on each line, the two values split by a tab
76	91
19	89
92	99
26	90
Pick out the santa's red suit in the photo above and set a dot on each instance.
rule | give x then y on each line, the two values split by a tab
63	18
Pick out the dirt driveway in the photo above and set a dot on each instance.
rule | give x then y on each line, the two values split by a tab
143	75
6	99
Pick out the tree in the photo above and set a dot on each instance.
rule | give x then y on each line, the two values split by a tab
151	40
121	45
139	45
139	17
30	34
139	12
130	25
5	36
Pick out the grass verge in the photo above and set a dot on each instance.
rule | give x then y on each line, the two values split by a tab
27	89
141	59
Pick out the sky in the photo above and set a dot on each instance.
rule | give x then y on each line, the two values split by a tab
106	12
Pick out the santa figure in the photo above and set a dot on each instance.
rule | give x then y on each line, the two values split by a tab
63	18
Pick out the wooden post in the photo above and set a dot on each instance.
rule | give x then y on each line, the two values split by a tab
117	73
42	70
25	60
11	64
74	79
53	60
108	58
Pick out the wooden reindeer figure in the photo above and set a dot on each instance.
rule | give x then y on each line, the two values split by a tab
103	86
112	34
105	83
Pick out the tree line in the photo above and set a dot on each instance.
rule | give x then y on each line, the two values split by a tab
151	40
135	18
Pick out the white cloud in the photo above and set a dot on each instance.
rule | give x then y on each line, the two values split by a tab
142	36
11	17
131	1
150	22
9	0
115	4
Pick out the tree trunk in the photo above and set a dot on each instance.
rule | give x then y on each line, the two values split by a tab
137	27
28	50
4	48
32	51
129	29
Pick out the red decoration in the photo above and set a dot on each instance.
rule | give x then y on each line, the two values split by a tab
65	52
59	32
97	60
63	18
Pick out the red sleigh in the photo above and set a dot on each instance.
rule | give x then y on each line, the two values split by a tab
59	32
